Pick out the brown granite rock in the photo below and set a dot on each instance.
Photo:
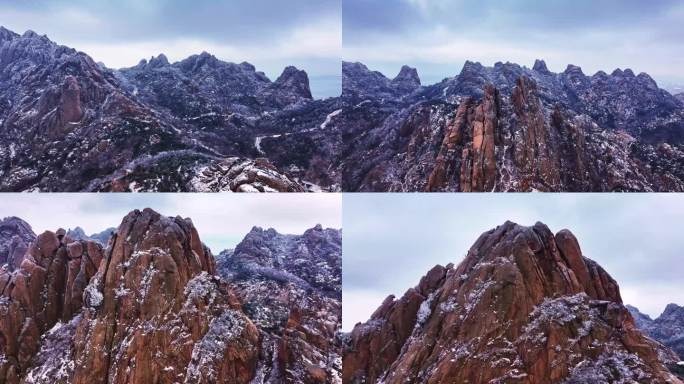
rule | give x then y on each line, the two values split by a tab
46	289
524	306
157	314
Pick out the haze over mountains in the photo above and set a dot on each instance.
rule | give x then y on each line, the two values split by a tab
153	305
69	124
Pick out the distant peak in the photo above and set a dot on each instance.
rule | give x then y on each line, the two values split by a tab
408	76
29	34
159	61
540	66
573	69
296	81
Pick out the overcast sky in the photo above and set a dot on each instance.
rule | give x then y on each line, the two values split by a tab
270	34
392	240
437	36
222	220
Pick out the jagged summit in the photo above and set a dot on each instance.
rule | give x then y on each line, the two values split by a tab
540	66
512	128
407	78
524	306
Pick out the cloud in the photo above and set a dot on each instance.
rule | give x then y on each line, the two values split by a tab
271	34
440	35
636	238
222	220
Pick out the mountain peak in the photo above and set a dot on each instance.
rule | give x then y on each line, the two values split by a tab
540	66
159	61
407	77
295	81
573	69
519	293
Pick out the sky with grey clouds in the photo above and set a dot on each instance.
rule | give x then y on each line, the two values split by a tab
222	220
437	36
392	240
270	34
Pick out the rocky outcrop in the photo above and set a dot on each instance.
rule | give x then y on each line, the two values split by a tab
147	309
156	313
524	306
291	285
510	128
15	237
47	289
668	328
290	87
407	80
242	175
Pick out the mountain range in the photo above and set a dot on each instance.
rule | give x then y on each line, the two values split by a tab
68	123
668	328
153	305
202	124
524	306
510	128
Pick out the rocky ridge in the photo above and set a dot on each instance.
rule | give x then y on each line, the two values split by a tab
511	128
70	124
668	328
150	306
292	284
524	306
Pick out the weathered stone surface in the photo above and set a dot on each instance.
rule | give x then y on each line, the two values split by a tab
156	313
46	289
292	289
524	306
511	128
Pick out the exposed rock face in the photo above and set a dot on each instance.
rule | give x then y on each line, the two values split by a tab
523	307
668	328
292	289
155	313
510	128
15	237
240	175
46	289
70	124
147	309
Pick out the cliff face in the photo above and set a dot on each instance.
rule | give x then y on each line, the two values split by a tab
510	128
523	307
148	308
292	288
45	291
